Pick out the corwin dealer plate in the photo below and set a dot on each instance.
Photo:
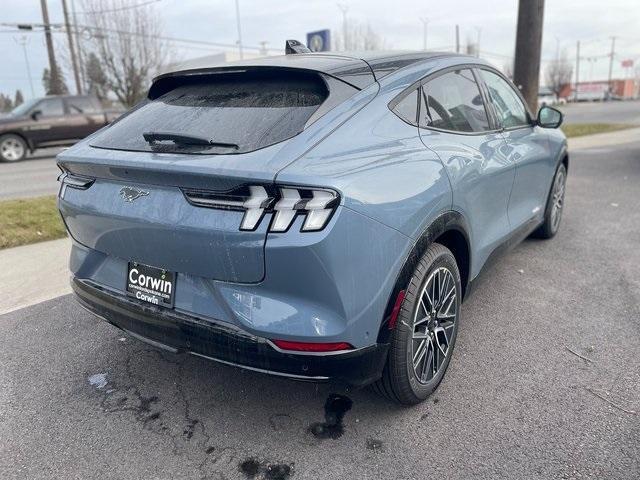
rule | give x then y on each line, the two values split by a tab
151	284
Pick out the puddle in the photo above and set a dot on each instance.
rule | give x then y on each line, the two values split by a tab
335	408
253	468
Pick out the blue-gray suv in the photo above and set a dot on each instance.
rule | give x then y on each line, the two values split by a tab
315	216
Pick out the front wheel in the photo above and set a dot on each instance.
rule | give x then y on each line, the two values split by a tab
555	204
425	333
12	148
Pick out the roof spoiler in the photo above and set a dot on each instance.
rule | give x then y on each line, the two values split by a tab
294	46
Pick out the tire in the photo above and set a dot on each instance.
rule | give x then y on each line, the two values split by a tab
554	207
12	148
435	276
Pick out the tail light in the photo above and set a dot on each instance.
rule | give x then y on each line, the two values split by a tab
68	179
285	203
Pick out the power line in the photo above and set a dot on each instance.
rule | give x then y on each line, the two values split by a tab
120	9
99	30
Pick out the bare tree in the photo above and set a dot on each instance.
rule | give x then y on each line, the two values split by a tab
128	44
558	73
359	37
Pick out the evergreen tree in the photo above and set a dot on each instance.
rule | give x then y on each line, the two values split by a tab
96	79
18	98
53	82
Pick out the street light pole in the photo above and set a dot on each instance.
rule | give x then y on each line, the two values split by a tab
344	9
575	96
479	30
612	54
239	29
425	22
22	41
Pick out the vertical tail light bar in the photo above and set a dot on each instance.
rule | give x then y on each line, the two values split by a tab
317	205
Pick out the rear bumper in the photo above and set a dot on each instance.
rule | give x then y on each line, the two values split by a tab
225	343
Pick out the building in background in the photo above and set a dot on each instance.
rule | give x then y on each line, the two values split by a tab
621	89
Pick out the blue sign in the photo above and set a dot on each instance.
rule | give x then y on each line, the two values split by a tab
319	41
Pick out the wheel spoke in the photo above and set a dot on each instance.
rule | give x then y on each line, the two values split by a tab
419	353
434	319
428	360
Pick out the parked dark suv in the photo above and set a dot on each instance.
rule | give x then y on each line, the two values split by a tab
50	122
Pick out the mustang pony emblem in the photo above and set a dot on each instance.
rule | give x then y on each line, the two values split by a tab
130	193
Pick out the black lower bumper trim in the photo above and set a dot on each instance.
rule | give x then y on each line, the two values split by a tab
225	343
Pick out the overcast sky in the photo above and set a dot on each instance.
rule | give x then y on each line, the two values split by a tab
592	22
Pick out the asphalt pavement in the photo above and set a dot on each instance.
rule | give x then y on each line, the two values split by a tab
602	112
544	383
32	177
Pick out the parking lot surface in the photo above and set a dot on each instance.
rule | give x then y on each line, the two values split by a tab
544	383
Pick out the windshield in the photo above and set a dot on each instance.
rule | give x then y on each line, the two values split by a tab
23	108
216	114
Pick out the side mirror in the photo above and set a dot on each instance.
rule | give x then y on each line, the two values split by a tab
35	114
549	117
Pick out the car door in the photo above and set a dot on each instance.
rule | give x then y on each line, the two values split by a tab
527	147
84	117
48	123
454	122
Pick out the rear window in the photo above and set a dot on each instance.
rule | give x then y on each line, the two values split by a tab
218	113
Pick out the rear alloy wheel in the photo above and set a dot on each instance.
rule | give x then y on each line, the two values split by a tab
425	332
555	204
12	148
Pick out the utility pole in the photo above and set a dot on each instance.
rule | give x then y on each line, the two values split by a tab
344	9
526	72
72	50
424	21
239	30
47	35
613	52
575	94
78	46
22	41
457	38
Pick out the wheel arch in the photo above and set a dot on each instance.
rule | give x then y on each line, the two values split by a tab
27	142
450	229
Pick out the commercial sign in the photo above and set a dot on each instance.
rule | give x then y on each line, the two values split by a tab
319	41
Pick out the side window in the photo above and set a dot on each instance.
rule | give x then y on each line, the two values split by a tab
509	108
453	102
51	107
407	108
81	105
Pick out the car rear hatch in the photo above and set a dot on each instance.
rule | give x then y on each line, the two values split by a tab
140	189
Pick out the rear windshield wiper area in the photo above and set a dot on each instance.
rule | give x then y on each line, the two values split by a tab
172	139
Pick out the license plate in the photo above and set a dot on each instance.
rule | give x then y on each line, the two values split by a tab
151	284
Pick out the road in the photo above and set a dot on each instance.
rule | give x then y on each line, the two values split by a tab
544	381
602	112
34	176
